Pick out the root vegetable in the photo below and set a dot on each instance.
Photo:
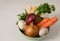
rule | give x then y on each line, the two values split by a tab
31	30
45	20
30	18
51	22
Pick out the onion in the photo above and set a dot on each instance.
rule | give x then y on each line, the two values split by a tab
31	30
30	18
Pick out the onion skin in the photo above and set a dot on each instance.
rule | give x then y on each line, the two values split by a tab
30	18
31	30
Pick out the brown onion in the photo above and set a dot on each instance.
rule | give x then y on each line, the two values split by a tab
31	30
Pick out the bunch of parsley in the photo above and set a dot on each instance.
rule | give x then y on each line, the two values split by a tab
45	8
21	17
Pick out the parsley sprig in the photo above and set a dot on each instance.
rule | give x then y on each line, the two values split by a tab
45	8
22	16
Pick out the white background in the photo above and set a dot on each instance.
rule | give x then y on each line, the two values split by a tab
8	17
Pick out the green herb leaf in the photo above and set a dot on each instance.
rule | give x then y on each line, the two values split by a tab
22	16
45	8
52	7
16	23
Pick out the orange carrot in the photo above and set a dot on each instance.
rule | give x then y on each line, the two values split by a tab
43	22
51	22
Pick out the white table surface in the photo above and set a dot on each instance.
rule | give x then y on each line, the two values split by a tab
8	17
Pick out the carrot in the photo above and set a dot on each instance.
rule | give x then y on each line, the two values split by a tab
43	22
51	22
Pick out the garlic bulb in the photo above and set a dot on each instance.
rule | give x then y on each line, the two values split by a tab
21	24
31	9
43	31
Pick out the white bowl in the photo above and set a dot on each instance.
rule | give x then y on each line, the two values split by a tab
32	38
